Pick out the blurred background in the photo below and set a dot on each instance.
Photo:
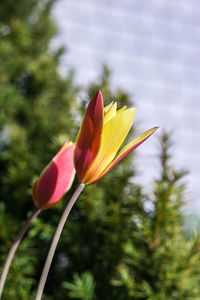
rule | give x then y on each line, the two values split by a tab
134	234
152	48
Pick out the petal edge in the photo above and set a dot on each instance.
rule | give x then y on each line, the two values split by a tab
89	136
126	150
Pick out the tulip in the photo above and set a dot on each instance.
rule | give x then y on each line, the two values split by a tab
101	134
56	179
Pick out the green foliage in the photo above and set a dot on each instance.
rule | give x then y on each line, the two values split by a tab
36	107
118	242
36	102
159	261
82	288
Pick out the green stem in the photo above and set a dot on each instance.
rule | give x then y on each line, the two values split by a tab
14	248
55	240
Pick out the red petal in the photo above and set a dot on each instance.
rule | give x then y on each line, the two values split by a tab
89	136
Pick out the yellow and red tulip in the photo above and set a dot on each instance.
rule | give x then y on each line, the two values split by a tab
56	179
101	134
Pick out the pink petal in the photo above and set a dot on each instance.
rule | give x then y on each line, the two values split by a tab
56	179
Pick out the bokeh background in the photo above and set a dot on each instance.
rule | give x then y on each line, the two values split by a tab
152	48
135	234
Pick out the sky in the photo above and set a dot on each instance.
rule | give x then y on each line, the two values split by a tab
152	48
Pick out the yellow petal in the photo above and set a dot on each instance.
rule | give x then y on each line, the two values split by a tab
119	111
125	151
113	135
110	112
107	107
135	142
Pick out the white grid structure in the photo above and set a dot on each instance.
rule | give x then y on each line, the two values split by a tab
153	50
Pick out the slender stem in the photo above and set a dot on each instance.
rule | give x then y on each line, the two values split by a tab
14	248
55	240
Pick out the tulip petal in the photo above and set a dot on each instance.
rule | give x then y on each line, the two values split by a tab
56	179
113	135
107	107
135	143
110	113
89	136
119	111
127	149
